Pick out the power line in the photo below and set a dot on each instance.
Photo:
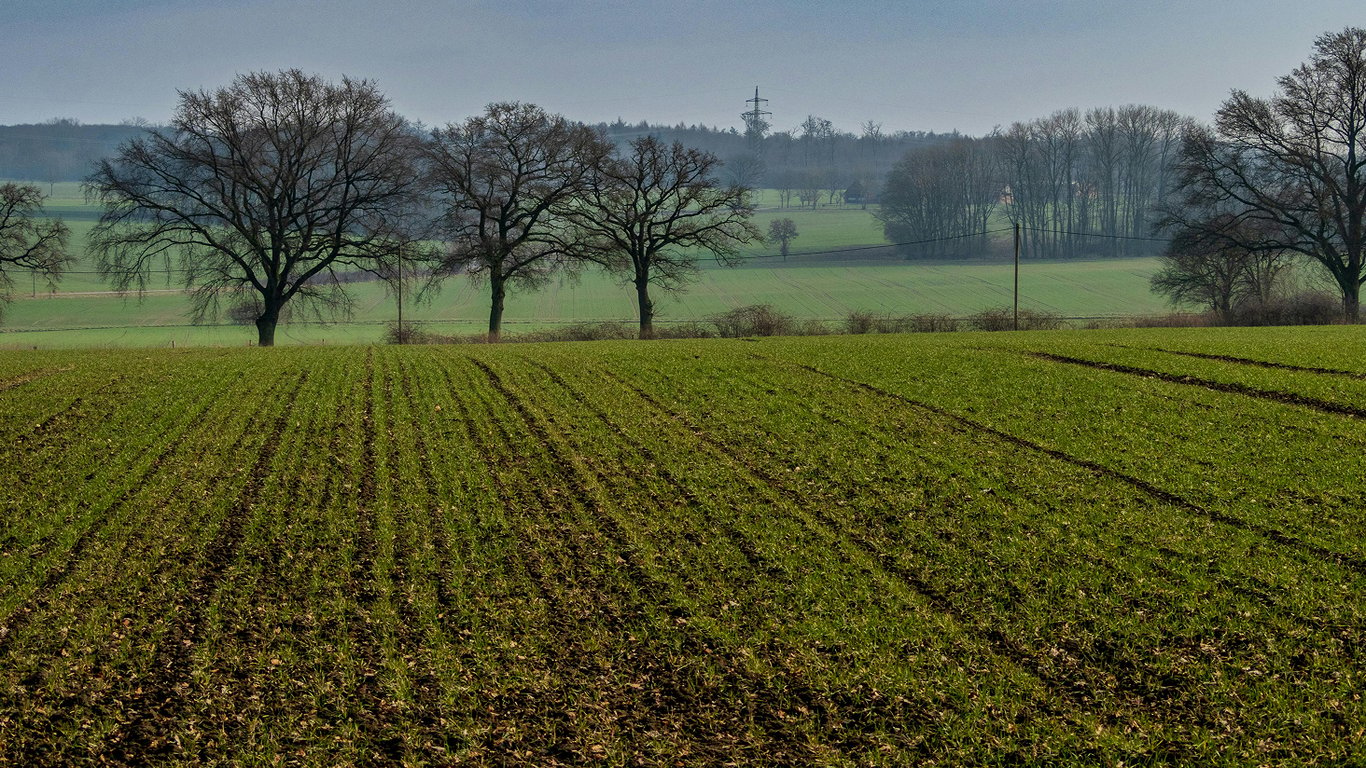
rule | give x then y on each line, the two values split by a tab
1097	234
884	246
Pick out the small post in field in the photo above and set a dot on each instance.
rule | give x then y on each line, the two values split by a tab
1017	276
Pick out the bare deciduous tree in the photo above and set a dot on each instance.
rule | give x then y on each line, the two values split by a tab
506	175
746	170
943	193
650	211
27	240
782	230
1088	184
1294	164
1206	265
267	189
809	188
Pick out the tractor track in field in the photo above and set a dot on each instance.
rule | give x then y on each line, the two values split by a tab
29	377
101	668
55	426
1254	363
1261	593
1072	690
447	602
180	429
764	703
345	626
426	686
378	717
169	684
560	618
21	438
1252	588
1074	684
43	595
761	566
1306	548
257	694
442	540
555	586
363	569
1271	395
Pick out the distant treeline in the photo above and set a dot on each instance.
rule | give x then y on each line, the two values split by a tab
807	164
59	150
813	156
1078	184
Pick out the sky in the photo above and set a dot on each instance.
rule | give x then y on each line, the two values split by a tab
918	65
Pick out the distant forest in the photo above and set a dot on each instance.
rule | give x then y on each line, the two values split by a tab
60	149
810	163
64	149
1077	183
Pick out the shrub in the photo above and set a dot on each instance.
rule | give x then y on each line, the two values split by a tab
753	320
863	321
993	319
407	334
931	323
814	328
581	332
1306	308
688	330
1003	319
859	321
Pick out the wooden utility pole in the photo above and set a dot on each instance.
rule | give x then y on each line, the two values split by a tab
1017	276
401	334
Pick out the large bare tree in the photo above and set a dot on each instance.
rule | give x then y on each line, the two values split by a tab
27	239
651	211
1204	264
1293	164
268	189
506	175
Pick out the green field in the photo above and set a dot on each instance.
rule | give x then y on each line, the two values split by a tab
1067	548
824	287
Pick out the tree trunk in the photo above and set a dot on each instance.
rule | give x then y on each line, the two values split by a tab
499	295
1351	304
265	325
647	309
498	290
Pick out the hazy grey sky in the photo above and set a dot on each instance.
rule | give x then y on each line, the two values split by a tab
914	65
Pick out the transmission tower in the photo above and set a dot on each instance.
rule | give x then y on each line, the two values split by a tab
755	124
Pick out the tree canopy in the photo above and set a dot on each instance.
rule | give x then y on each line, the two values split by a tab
267	189
1293	166
504	177
27	240
650	210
